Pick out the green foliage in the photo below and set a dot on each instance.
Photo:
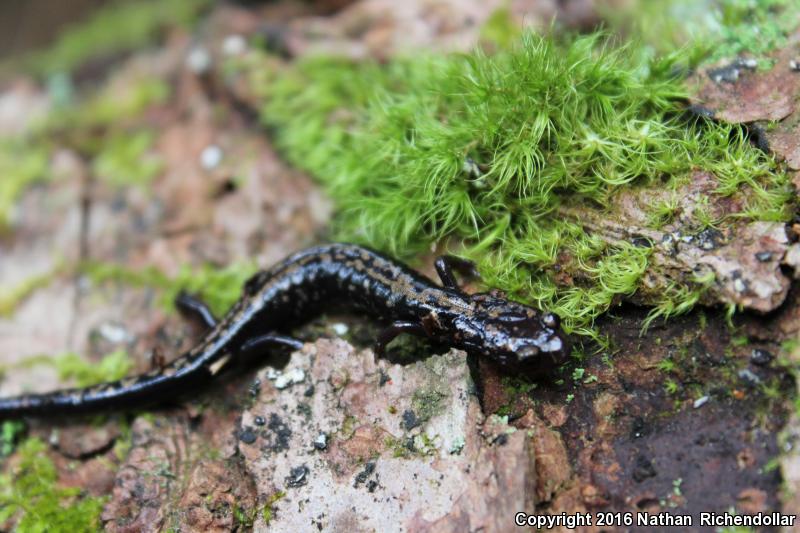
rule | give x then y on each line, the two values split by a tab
30	494
112	29
488	150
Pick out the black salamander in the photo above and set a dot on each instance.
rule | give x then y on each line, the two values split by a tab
519	338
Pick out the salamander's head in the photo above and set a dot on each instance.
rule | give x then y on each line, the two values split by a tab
516	336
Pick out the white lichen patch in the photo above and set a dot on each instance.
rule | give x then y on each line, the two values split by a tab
289	378
393	461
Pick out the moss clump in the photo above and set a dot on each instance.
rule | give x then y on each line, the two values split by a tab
110	30
486	150
30	495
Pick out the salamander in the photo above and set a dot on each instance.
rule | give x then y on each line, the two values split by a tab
517	337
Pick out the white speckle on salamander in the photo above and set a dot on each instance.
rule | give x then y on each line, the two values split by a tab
552	344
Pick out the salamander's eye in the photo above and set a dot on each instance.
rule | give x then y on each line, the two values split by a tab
550	320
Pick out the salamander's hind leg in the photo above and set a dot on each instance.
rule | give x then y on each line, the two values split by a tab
447	264
194	308
397	328
258	345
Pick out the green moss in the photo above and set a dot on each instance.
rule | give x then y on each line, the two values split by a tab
488	150
21	164
712	29
30	494
218	287
9	435
671	386
244	518
268	511
112	105
123	443
754	26
112	29
111	367
13	296
500	28
516	387
120	155
70	366
666	365
664	211
125	160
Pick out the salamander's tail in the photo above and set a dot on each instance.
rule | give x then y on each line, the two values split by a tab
136	391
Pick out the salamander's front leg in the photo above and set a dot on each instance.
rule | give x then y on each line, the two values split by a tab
447	264
194	308
258	345
397	328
